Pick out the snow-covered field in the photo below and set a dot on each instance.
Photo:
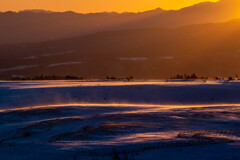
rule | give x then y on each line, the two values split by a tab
142	120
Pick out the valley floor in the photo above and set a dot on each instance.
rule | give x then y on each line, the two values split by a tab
105	120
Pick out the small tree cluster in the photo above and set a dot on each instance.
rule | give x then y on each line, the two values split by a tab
116	156
116	78
187	76
49	77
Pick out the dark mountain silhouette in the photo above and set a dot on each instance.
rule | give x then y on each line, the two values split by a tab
34	11
206	49
38	25
205	12
29	26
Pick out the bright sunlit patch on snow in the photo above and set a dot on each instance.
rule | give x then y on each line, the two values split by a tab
167	57
59	53
149	136
57	84
61	64
133	58
149	107
17	68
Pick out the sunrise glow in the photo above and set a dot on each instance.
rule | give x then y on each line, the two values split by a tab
119	79
86	6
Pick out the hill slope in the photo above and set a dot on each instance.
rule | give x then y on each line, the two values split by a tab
207	49
33	26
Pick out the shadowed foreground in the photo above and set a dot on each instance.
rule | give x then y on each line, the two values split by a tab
200	126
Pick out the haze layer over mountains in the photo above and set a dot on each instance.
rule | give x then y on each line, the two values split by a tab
27	26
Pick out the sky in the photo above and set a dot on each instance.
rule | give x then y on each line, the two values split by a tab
87	6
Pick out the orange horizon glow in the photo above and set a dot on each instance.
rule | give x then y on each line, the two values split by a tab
90	6
147	107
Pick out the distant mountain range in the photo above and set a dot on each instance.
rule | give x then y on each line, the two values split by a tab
38	25
211	49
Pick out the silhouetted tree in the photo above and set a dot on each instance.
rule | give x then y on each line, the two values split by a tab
193	76
116	156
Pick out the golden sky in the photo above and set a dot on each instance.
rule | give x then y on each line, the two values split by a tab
85	6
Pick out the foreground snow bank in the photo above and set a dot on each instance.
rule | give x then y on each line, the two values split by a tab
32	93
105	120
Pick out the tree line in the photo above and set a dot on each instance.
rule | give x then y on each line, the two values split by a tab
48	77
67	77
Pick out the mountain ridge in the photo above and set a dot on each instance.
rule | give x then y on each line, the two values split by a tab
34	27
